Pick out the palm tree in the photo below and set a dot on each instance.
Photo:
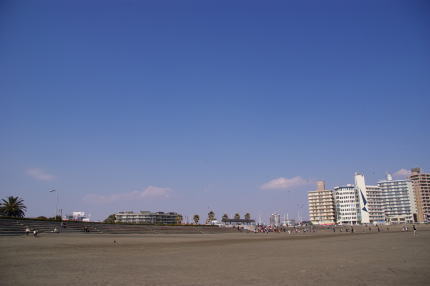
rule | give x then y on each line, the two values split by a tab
13	206
196	218
247	216
211	217
225	217
236	216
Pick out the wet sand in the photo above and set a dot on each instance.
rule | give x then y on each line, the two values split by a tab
217	259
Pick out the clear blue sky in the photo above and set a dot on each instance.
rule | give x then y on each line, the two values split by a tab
194	105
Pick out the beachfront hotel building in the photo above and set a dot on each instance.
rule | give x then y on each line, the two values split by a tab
375	201
399	202
147	217
421	187
391	201
358	203
347	205
322	209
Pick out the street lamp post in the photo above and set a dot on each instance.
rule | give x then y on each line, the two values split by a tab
56	204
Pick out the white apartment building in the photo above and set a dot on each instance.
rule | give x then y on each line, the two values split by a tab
347	205
375	201
322	208
358	203
147	217
421	186
398	200
78	216
371	201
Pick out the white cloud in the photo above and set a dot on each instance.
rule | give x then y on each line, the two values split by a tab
40	174
402	173
285	183
153	191
149	192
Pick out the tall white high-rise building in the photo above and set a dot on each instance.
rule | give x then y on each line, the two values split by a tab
347	205
371	201
398	200
358	203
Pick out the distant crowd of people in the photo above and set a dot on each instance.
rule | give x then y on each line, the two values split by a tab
35	231
290	230
310	229
270	228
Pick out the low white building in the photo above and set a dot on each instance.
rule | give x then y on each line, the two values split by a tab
147	217
77	216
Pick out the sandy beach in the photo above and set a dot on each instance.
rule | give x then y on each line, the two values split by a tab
217	259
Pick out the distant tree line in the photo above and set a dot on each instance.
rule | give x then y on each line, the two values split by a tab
211	217
236	216
14	207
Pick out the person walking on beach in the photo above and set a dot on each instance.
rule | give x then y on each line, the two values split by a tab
415	230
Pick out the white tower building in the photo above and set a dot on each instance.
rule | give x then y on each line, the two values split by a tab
360	187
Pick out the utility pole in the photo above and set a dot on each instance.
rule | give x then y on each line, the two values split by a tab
56	204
